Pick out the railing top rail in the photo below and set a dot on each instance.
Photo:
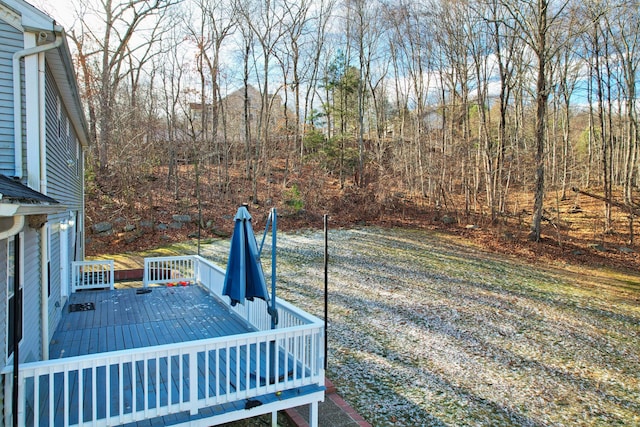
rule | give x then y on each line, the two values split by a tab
282	304
301	314
209	262
185	346
90	262
169	258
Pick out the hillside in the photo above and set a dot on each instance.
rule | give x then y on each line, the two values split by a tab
145	216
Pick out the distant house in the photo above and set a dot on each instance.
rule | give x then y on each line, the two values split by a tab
233	110
43	135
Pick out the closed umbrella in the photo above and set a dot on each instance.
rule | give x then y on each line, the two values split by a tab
244	278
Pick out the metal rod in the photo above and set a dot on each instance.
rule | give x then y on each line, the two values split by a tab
274	309
17	327
326	285
266	228
274	233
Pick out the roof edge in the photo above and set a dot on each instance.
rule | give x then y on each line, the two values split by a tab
32	17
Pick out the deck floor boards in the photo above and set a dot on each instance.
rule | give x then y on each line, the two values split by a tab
123	319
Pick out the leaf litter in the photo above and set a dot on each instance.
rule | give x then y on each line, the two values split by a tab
425	329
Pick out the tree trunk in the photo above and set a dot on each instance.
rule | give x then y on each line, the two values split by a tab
541	112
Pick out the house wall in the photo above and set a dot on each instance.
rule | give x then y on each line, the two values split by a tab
3	302
64	175
11	40
30	349
64	166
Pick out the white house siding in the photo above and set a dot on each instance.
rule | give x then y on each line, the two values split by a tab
64	155
65	184
30	347
56	303
11	40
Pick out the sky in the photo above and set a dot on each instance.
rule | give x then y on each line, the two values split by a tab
60	10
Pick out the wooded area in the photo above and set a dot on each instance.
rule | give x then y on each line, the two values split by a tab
455	105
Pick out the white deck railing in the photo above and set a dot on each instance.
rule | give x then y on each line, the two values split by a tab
92	275
133	385
254	312
164	270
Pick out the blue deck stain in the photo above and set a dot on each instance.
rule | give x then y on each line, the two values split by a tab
123	319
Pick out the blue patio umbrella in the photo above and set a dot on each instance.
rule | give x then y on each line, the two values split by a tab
244	278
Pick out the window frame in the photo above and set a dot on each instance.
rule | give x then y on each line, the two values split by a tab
15	258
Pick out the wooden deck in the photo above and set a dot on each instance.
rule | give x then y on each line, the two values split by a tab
123	319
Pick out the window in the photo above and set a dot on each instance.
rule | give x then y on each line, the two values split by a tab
77	144
48	260
73	224
59	116
14	293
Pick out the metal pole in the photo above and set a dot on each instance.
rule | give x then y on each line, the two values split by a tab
274	233
326	285
17	327
266	228
273	310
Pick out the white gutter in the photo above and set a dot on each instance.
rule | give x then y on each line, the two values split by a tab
42	131
44	230
17	97
16	209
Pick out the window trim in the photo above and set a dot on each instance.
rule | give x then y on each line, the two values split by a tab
18	262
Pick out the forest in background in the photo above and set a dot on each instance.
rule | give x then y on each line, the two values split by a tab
479	112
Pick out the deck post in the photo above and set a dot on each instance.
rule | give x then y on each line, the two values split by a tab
274	419
193	383
145	273
313	414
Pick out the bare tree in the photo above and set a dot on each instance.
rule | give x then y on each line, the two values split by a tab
412	60
171	70
322	17
534	20
289	55
568	72
598	45
117	48
454	69
363	36
504	44
623	26
265	20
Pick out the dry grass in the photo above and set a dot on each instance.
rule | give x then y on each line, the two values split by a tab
428	330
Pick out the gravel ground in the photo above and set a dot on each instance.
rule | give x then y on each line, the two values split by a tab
427	330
